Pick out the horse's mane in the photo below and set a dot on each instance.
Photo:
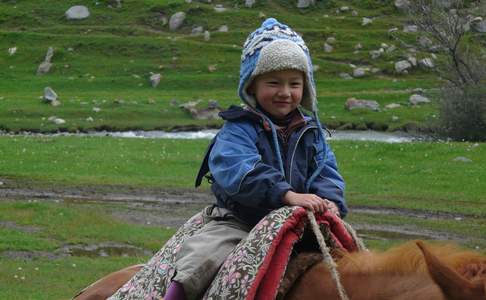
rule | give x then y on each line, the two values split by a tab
407	258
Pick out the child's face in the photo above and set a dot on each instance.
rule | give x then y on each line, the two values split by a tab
278	92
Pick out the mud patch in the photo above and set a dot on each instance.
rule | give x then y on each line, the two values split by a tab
104	250
21	228
388	232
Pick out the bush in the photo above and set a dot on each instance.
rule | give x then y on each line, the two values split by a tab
463	112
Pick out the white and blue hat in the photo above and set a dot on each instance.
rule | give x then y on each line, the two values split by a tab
273	47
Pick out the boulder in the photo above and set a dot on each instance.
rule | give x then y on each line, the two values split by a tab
197	30
207	36
155	79
402	4
305	3
402	66
49	94
219	8
345	76
410	28
249	3
11	51
427	63
176	20
392	106
46	65
366	21
223	28
353	103
417	99
479	26
77	12
328	48
359	72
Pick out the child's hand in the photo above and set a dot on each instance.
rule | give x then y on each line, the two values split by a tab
310	201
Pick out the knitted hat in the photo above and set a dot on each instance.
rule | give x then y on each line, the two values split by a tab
274	47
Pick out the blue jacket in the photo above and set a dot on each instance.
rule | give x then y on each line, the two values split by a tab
245	172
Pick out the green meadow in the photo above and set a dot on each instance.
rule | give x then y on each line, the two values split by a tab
102	64
424	183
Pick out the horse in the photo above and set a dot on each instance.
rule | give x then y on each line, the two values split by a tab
414	270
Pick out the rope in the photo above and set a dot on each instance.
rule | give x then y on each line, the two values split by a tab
328	260
358	241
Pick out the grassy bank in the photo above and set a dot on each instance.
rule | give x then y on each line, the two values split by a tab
104	62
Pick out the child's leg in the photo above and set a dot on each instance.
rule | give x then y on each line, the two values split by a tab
202	254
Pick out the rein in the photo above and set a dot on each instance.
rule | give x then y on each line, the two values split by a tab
327	258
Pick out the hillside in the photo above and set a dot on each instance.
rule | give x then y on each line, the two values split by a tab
101	65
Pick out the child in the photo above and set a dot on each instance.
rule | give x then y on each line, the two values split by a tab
267	155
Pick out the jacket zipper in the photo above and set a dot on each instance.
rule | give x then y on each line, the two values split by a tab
293	152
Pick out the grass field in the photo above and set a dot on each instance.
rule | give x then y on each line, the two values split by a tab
104	62
431	190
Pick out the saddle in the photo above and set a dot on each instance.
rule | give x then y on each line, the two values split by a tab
255	268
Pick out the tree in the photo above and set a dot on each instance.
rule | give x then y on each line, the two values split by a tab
462	65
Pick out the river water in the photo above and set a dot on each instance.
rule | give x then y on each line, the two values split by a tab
367	135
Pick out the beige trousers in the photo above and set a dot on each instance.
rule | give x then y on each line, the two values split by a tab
203	253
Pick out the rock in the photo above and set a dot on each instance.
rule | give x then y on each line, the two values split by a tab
77	12
366	21
427	63
402	66
376	53
424	42
197	30
393	29
345	76
417	99
89	119
412	60
479	26
96	109
49	94
344	8
375	70
219	8
56	120
223	28
176	20
359	72
410	28
212	68
305	3
55	103
155	79
402	4
418	91
391	49
207	36
463	159
262	15
354	13
46	65
11	51
209	113
328	48
392	106
358	46
249	3
331	40
395	119
353	103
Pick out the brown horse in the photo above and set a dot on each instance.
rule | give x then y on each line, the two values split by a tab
432	272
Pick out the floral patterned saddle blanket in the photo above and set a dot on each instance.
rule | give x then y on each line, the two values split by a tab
256	266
